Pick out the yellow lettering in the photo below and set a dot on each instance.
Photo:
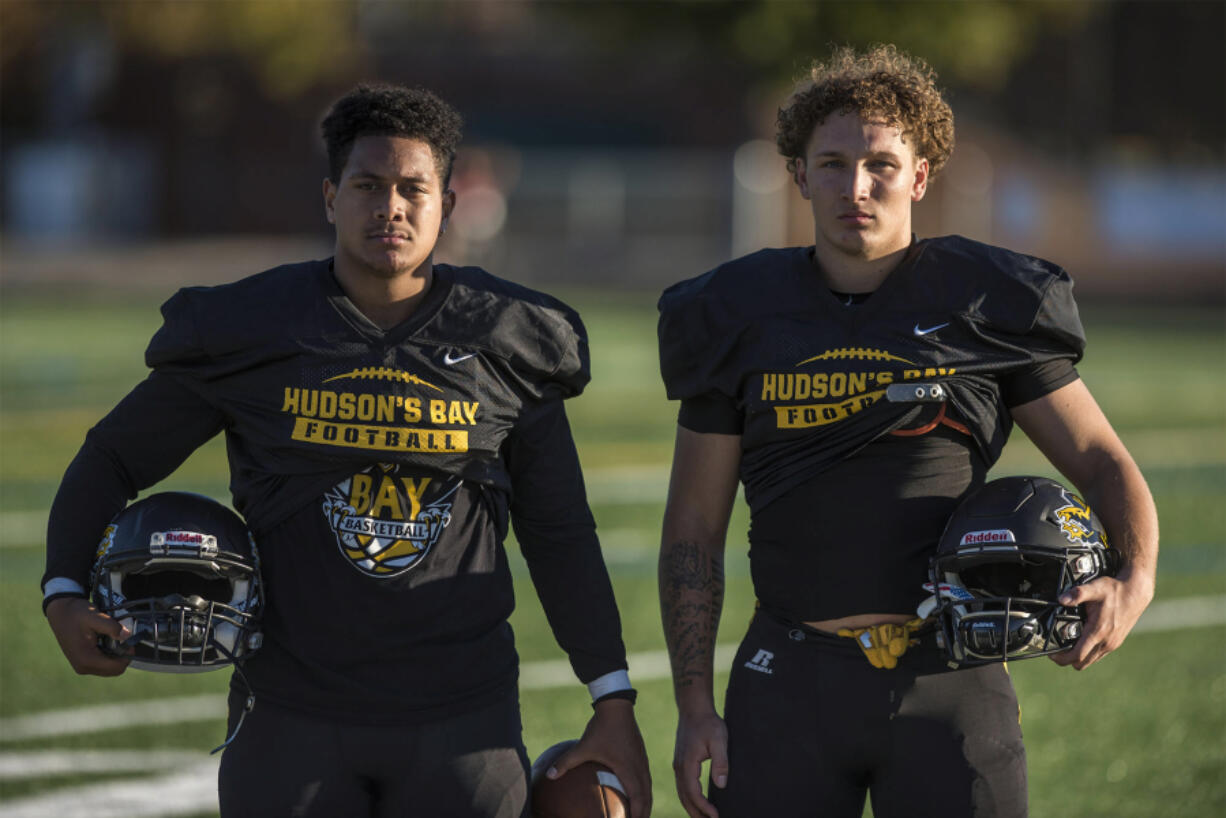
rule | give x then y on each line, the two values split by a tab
412	410
470	412
387	500
345	406
819	385
291	400
387	408
327	404
822	414
768	386
438	412
378	438
414	489
803	384
857	382
359	492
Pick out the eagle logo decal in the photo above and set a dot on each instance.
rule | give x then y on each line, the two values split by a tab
1074	521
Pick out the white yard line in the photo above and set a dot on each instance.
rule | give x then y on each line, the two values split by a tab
102	717
41	763
191	790
1185	612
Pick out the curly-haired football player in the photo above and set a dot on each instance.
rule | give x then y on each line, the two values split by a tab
859	388
386	419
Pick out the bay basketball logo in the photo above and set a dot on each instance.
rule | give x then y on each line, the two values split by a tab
386	521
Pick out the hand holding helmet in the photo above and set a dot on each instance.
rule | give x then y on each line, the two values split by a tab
79	627
1011	552
179	574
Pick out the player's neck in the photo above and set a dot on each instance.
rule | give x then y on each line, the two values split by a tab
387	300
846	273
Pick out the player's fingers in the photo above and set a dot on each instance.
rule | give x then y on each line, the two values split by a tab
719	763
87	659
687	774
640	802
77	626
1095	653
107	626
563	763
1095	590
643	784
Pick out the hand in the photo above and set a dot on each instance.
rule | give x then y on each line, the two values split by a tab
77	625
612	738
1113	607
700	738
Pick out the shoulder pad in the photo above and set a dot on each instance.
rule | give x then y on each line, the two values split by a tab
208	323
1011	288
542	340
701	319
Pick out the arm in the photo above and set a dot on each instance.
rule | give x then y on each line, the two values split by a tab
142	440
701	491
557	535
1070	429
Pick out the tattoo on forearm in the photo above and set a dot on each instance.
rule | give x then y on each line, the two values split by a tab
691	598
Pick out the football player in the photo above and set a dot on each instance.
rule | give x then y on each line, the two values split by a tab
858	388
386	419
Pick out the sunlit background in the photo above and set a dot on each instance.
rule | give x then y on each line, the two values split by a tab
606	143
610	149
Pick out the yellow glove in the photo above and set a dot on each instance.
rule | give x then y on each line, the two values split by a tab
883	644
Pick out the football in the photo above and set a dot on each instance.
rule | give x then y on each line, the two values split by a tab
590	790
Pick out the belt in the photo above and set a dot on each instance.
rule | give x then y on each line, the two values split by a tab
882	645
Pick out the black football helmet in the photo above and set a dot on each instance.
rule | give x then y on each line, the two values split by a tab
182	573
1007	554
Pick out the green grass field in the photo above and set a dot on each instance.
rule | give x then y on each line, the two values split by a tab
1143	733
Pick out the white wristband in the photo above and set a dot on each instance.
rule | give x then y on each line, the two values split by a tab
609	683
62	585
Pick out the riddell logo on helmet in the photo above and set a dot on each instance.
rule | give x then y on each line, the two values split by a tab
165	541
980	537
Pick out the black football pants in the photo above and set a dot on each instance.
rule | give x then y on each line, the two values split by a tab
813	727
283	763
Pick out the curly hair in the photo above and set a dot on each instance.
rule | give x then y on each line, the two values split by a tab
881	83
391	110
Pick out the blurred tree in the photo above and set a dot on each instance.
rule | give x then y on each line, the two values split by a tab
291	45
970	42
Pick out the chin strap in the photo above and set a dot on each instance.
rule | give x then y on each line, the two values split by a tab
247	707
883	644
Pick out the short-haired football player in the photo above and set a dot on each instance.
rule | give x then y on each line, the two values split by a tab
386	419
782	362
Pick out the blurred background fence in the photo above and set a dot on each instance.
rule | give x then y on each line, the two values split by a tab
624	144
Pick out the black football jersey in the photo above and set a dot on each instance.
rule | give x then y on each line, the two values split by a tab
844	514
379	471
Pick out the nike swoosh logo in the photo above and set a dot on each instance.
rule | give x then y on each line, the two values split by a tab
919	331
450	359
